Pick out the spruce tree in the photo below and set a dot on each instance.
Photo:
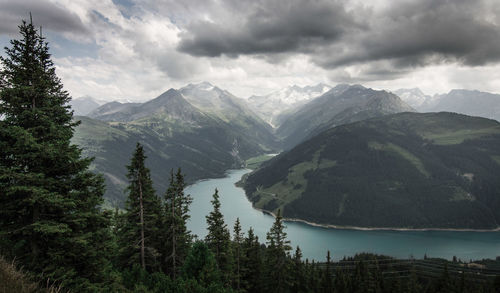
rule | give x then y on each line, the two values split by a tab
252	263
298	272
327	281
139	238
237	253
278	256
49	201
218	239
177	238
200	265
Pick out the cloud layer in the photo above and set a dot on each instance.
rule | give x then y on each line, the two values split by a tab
135	49
53	17
409	34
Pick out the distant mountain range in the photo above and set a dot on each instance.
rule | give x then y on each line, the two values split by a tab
474	103
351	160
204	142
407	170
274	107
340	105
84	105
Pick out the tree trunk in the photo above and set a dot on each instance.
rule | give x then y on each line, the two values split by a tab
238	267
141	215
174	240
34	245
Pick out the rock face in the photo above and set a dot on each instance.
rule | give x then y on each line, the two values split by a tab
407	170
342	104
276	106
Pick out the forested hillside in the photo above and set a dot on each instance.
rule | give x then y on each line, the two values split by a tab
408	170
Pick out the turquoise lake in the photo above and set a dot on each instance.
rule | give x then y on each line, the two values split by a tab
315	241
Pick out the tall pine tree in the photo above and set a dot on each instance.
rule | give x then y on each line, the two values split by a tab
177	238
49	202
252	263
278	257
139	237
238	237
218	240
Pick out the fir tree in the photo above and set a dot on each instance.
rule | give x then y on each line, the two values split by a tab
298	272
237	252
49	219
327	283
218	239
200	265
177	237
277	256
139	236
252	263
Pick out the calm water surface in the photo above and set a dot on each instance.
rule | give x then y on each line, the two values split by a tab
315	241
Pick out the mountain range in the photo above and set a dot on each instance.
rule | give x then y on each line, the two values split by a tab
275	107
350	159
469	102
340	105
175	133
84	105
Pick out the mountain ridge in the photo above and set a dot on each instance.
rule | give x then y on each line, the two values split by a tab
341	104
405	170
275	106
175	134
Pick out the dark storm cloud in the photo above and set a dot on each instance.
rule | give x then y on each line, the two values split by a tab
50	15
408	34
269	27
427	32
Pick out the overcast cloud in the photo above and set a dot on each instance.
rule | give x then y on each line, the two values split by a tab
139	48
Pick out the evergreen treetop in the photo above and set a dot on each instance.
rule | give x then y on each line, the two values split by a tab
49	202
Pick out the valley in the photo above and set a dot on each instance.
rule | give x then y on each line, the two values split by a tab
257	146
410	164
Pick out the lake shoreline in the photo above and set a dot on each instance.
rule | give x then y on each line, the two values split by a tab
358	228
238	184
339	227
315	239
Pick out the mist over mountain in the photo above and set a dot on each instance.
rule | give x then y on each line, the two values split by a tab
274	107
469	102
342	104
414	97
84	105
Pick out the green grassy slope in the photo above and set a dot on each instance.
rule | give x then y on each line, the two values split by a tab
408	170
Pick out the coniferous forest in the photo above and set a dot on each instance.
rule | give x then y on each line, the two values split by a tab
54	237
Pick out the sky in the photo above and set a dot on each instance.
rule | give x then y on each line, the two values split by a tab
133	50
